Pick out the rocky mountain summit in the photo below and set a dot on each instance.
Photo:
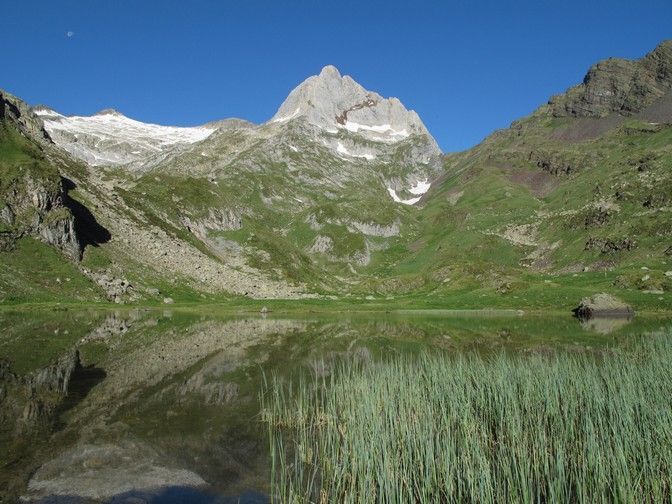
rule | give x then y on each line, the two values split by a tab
332	102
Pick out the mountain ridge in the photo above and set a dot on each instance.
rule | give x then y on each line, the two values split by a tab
331	202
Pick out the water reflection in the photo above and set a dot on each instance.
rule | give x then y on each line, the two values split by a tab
153	406
605	325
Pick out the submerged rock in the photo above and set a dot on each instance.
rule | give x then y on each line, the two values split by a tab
602	305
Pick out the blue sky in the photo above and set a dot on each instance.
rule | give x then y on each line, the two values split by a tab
466	67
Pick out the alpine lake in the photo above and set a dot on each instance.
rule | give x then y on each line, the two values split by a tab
163	405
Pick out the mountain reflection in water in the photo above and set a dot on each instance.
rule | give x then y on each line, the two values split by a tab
161	406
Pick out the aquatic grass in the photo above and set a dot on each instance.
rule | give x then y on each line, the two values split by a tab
561	427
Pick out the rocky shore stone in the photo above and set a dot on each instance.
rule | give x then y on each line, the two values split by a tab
602	305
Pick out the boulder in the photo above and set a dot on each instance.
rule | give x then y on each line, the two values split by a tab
602	305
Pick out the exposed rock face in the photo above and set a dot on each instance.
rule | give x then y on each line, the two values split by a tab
619	86
360	125
17	112
602	305
216	220
373	229
609	245
36	207
33	200
116	289
334	102
322	245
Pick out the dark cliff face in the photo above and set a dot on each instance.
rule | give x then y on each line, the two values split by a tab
32	193
15	111
619	86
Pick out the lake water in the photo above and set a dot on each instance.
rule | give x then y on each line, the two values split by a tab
162	406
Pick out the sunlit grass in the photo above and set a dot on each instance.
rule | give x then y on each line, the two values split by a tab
562	427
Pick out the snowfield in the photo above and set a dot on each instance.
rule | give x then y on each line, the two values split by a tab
112	138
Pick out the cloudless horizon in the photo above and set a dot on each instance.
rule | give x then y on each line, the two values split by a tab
467	68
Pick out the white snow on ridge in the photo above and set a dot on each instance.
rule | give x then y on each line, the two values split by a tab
110	138
420	188
124	128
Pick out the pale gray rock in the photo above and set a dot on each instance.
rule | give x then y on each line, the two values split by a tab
373	229
101	471
602	305
334	102
322	245
19	113
216	220
116	288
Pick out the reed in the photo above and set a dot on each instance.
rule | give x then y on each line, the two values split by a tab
566	427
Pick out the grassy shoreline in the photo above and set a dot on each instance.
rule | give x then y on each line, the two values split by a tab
281	306
564	427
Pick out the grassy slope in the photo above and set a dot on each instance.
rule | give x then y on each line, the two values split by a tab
33	271
459	245
451	251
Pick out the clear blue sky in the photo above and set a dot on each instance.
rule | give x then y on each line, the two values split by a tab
466	67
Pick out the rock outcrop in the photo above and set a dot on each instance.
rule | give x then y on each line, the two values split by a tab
602	305
33	197
619	86
15	111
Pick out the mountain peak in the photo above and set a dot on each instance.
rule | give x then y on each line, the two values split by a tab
330	71
334	102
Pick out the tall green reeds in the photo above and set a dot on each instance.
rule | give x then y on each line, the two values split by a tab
467	428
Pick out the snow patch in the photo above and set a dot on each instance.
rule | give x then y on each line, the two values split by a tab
328	130
397	199
420	188
385	129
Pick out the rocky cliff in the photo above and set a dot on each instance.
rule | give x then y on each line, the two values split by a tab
619	86
32	193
